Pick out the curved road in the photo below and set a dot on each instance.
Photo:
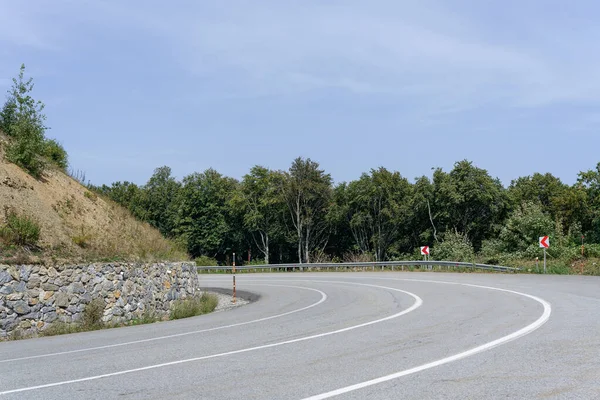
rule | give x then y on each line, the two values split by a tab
339	335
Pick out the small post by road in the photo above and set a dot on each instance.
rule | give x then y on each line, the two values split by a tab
544	260
544	244
233	271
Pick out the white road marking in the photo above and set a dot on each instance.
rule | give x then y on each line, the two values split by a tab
418	302
487	346
323	298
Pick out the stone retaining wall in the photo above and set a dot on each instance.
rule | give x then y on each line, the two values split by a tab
32	297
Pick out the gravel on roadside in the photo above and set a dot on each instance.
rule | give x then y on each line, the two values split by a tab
225	302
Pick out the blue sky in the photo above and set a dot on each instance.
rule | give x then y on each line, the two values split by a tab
409	85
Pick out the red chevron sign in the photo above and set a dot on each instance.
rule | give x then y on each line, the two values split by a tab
425	250
545	242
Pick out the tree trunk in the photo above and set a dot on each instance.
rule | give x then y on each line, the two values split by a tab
306	245
299	229
266	248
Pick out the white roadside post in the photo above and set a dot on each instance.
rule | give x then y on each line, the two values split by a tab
233	271
425	253
544	244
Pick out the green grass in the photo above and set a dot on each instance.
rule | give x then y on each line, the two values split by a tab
194	306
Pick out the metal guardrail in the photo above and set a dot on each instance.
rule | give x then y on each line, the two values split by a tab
364	265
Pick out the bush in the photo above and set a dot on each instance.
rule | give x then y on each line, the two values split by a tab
194	306
491	251
592	250
92	315
25	149
455	247
56	154
90	195
83	239
205	261
20	230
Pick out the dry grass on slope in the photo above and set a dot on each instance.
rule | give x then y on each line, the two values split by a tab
75	224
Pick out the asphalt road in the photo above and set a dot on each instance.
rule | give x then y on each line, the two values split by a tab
342	335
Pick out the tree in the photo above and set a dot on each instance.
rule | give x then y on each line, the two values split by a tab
127	194
379	211
262	207
544	189
589	181
204	215
161	200
307	191
524	226
469	202
23	120
422	225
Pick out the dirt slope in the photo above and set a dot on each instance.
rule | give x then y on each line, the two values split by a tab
76	225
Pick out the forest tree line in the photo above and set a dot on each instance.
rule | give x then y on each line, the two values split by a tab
299	215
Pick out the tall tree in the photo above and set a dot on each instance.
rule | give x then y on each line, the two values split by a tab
307	191
262	207
544	189
161	198
469	201
379	207
204	215
590	182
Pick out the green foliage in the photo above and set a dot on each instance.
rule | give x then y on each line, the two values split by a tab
307	191
56	154
378	211
455	247
204	214
20	230
92	314
297	215
23	120
261	207
467	200
195	306
160	199
205	261
127	194
8	115
90	195
524	227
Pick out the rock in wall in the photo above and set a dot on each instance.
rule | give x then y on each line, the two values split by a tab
33	296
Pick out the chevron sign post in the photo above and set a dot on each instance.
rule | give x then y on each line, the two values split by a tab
425	252
544	244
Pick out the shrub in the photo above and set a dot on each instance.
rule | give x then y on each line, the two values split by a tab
92	315
83	239
90	195
455	247
56	154
60	328
25	149
20	230
205	261
23	119
491	251
194	306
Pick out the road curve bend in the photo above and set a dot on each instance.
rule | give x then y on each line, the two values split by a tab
338	335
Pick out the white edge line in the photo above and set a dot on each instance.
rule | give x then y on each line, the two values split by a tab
418	302
323	298
487	346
